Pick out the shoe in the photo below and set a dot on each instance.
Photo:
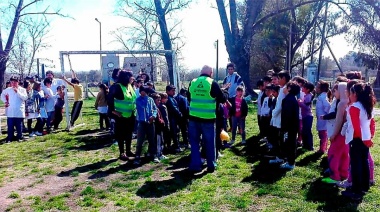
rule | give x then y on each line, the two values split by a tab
328	180
137	161
275	161
203	160
229	130
287	166
156	160
7	142
299	144
123	157
134	136
210	170
243	142
352	195
371	183
343	184
163	157
220	155
32	135
178	150
38	133
231	142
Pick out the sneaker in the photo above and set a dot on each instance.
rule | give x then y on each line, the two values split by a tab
123	157
32	135
137	161
220	155
134	136
231	142
343	184
163	157
203	160
37	133
243	142
287	166
275	161
328	180
156	160
7	142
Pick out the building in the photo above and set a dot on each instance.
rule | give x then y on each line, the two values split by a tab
144	64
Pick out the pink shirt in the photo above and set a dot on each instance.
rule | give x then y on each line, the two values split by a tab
238	107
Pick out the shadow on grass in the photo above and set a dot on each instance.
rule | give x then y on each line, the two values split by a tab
93	142
182	162
329	196
312	158
88	131
265	173
87	168
156	189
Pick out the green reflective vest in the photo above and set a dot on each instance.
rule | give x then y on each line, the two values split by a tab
127	106
202	105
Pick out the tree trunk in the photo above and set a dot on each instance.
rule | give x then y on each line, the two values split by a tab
3	63
376	84
165	38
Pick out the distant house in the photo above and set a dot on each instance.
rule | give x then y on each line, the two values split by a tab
145	64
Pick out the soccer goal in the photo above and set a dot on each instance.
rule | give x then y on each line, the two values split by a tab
132	61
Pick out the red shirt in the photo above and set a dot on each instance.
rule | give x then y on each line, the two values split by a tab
238	106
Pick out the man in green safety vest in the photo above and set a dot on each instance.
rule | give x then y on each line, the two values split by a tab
204	95
122	105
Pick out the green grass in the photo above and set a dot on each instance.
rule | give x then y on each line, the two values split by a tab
79	171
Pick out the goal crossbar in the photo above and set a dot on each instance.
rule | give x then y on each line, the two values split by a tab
66	53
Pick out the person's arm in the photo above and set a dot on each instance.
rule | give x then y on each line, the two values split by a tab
245	106
339	120
22	94
97	100
73	74
329	116
277	109
154	108
3	98
355	119
305	103
217	93
69	83
372	127
326	105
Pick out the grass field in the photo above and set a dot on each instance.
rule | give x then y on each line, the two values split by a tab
79	171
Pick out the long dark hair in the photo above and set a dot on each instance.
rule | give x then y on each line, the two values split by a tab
104	88
366	97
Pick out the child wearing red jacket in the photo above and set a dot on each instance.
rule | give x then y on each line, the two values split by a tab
359	138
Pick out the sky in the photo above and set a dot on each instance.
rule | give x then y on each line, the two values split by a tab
201	26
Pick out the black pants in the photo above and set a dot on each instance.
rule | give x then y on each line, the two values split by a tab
37	127
104	118
275	138
290	147
57	117
167	137
259	123
174	132
183	125
359	166
265	126
123	133
75	111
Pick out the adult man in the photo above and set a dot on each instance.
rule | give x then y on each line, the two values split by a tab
54	82
122	105
174	116
232	80
14	99
204	96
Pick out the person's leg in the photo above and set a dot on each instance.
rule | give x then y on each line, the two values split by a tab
49	120
10	128
307	123
75	111
119	131
365	165
334	157
159	142
371	167
127	131
323	140
242	128
152	142
359	170
18	123
208	135
167	138
300	131
29	124
106	120
101	118
344	159
291	148
234	127
174	133
194	137
184	131
141	130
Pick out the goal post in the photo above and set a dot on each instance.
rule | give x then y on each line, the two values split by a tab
62	54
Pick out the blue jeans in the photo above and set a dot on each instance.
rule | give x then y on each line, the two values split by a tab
307	136
12	123
207	130
238	121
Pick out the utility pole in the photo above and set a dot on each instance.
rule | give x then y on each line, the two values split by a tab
322	42
100	44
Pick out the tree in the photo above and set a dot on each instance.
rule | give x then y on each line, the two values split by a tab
157	18
29	39
21	11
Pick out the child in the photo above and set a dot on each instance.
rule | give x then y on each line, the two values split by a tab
30	108
274	79
322	108
337	155
58	107
166	129
101	106
78	97
159	128
238	113
266	111
307	115
40	100
301	82
146	114
289	119
284	78
272	138
48	112
359	138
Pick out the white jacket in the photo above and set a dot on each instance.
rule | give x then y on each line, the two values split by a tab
16	108
276	113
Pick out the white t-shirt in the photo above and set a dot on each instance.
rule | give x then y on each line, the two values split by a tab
16	108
